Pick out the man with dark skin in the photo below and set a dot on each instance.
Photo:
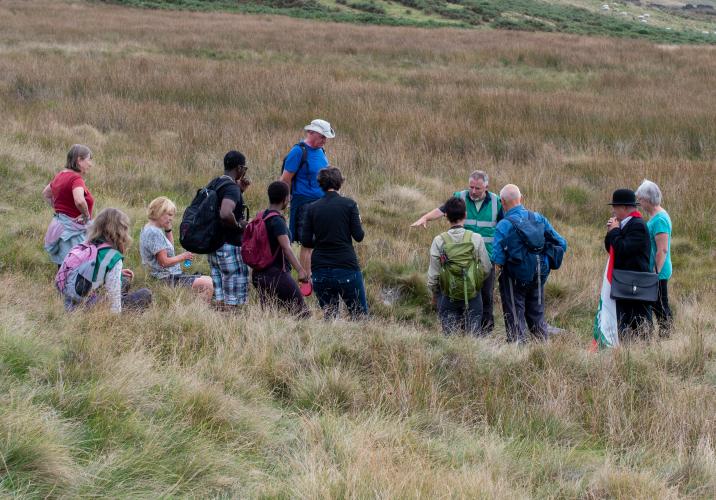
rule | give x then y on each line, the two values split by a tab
228	271
274	282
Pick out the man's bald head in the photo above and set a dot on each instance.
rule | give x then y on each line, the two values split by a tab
510	196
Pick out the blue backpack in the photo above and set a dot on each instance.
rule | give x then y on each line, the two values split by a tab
525	248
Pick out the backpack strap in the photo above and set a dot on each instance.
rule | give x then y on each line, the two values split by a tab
107	258
218	183
466	238
270	214
446	239
493	199
301	163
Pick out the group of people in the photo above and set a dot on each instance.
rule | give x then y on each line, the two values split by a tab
491	238
323	222
521	247
508	240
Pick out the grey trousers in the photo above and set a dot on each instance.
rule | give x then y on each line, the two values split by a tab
523	309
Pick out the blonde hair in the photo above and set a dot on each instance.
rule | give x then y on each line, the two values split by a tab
111	226
160	206
77	152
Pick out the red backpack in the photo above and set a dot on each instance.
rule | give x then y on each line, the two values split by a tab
255	247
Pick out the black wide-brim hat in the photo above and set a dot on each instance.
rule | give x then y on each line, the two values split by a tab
624	197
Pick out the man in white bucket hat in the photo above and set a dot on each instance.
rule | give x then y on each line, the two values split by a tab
300	170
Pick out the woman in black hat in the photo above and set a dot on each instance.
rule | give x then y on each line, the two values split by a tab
628	237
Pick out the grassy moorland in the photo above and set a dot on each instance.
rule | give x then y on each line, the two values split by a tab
667	22
184	401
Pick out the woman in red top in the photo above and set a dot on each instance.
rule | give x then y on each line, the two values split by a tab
72	202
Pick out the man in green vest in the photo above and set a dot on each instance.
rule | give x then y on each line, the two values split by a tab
484	209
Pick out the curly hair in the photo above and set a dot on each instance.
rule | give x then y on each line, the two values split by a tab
111	226
330	178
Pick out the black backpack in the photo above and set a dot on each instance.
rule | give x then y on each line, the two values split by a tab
200	230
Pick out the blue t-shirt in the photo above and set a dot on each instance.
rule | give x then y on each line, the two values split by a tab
660	223
304	182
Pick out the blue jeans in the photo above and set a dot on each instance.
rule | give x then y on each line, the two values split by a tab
333	284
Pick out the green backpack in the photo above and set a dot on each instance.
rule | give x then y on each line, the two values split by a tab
460	276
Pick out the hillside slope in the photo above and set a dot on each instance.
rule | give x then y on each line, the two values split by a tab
183	401
665	22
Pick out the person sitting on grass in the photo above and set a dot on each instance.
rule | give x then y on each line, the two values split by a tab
459	263
275	282
80	276
156	246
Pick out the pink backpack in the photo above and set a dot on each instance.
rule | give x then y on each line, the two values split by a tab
255	247
83	271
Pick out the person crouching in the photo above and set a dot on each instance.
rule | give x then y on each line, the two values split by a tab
97	264
275	283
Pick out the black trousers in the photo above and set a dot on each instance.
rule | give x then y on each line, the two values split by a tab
276	285
633	319
523	308
456	318
661	309
487	292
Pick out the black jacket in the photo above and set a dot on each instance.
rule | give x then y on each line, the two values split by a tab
330	225
631	245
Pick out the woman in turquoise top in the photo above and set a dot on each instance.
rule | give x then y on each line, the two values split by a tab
649	196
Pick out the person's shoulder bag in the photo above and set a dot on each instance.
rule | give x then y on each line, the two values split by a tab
634	285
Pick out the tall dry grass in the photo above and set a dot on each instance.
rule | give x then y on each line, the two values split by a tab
183	401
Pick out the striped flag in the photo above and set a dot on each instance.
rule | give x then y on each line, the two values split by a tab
605	323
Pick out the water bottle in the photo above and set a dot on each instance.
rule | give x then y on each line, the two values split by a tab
187	263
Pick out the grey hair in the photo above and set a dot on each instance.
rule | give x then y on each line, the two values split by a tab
77	152
480	175
650	192
510	193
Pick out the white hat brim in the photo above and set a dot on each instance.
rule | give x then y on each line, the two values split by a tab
327	134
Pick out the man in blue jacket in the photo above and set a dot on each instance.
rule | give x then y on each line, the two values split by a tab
523	265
